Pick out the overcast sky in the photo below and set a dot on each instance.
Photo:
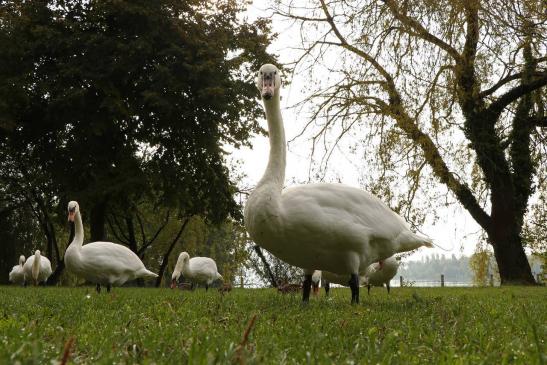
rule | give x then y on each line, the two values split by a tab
455	230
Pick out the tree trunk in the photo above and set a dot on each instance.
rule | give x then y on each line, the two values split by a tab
97	222
165	258
510	256
133	242
60	267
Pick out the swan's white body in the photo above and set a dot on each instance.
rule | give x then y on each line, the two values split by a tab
378	275
198	270
316	277
103	263
17	274
330	227
37	268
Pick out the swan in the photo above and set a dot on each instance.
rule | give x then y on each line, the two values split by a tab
381	273
38	268
329	277
329	227
315	279
199	270
17	274
102	263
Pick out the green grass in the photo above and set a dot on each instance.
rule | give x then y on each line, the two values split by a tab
412	325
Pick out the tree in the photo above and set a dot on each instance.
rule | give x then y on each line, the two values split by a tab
454	89
119	102
106	94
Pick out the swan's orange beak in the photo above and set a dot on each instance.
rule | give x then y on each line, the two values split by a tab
173	284
268	86
71	216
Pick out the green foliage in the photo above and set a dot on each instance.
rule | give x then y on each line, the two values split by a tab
146	326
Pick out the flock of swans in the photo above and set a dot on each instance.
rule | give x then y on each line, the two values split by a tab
340	233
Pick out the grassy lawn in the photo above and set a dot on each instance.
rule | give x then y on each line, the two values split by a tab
412	325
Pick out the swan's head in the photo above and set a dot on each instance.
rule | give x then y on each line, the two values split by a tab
36	267
181	262
73	208
268	81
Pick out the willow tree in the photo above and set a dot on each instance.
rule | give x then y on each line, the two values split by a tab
454	89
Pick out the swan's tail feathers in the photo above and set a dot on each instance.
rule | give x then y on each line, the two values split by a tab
145	273
408	241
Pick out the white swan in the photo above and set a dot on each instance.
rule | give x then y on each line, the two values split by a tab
381	273
37	268
102	263
315	279
329	227
17	274
329	277
200	270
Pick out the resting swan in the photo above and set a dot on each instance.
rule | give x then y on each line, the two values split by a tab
381	273
329	227
200	270
102	263
37	268
17	274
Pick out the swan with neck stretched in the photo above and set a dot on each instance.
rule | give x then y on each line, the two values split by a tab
17	273
102	263
200	270
37	268
330	227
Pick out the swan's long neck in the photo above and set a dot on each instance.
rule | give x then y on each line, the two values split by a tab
78	231
274	176
36	265
21	260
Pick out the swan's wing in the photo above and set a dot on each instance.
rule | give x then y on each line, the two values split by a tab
203	266
325	204
109	258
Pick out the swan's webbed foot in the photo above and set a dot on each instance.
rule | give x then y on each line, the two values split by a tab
306	288
108	287
354	285
98	288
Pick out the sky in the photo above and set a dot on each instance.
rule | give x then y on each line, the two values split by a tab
455	231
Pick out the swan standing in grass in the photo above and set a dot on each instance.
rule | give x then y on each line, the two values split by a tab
329	277
329	227
199	270
102	263
315	279
17	274
382	272
37	268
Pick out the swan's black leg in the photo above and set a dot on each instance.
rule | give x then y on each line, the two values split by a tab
206	287
354	285
388	287
327	288
368	289
108	287
307	288
98	288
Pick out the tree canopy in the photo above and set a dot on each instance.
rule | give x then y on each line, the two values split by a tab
114	101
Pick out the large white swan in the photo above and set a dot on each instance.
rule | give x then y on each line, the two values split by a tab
17	273
200	270
329	227
37	268
102	263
